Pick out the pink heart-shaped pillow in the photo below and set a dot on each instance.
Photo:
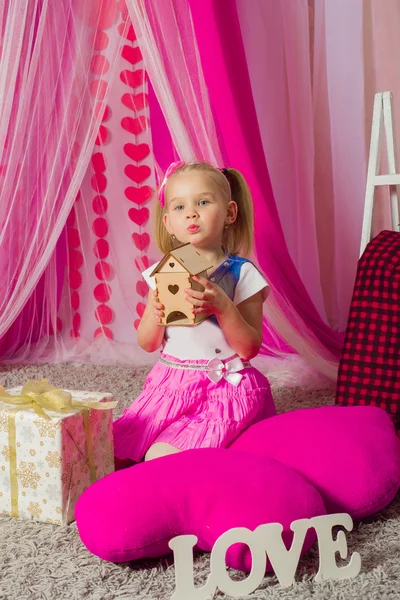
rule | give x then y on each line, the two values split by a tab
134	513
351	454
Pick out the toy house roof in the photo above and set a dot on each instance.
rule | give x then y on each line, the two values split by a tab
188	257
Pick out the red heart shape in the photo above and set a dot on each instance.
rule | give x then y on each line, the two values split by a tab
142	262
132	78
142	240
140	308
138	195
137	174
142	288
103	331
136	323
137	152
135	102
102	136
129	33
98	162
139	216
98	108
98	182
132	55
134	126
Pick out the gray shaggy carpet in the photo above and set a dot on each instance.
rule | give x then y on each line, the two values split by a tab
50	562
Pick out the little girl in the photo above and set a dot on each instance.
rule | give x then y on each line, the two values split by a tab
203	392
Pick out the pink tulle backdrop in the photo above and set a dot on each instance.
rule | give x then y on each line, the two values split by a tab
91	118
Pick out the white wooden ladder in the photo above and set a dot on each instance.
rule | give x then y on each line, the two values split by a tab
383	110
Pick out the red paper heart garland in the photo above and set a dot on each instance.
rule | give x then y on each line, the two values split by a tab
129	33
134	126
140	307
132	55
132	78
138	195
141	240
142	263
137	173
142	288
135	102
139	217
137	152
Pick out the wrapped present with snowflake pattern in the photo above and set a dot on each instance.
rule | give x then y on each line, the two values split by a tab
53	444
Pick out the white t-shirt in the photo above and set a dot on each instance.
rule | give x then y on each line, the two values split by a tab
207	340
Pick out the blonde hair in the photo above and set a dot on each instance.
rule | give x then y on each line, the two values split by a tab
238	238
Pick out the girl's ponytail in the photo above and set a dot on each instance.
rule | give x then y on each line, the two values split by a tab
238	238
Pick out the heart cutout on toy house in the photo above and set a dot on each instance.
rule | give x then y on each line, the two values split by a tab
172	275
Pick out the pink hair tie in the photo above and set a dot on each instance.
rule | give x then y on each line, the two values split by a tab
171	169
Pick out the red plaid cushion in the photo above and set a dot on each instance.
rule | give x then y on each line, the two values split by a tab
369	370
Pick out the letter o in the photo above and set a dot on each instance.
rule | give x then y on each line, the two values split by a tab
218	565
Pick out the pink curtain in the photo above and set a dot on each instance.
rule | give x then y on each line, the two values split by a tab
277	47
348	138
314	68
354	58
51	106
220	70
91	118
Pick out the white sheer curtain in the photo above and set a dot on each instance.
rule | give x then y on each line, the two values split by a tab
186	109
315	66
74	115
50	110
162	35
276	40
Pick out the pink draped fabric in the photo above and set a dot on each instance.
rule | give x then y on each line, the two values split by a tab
348	139
276	43
226	74
91	118
50	111
314	67
233	140
354	57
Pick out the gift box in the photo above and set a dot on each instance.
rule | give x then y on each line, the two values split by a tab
53	444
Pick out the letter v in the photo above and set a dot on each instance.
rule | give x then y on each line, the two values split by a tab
284	562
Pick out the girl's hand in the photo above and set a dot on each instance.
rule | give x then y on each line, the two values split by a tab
213	300
158	308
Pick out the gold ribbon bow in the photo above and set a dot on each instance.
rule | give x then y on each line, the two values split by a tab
42	396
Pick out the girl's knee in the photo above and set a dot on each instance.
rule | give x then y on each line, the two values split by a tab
160	449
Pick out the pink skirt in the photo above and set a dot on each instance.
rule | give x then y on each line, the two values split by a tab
181	406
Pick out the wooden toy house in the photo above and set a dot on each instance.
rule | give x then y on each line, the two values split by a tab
173	274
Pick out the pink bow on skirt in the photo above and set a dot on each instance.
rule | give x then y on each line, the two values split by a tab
218	369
